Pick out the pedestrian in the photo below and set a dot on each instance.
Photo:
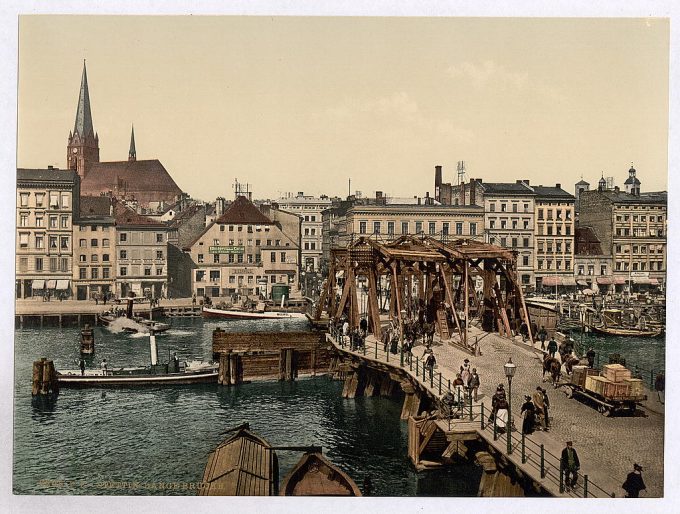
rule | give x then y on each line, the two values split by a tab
546	407
430	362
570	465
345	331
193	299
524	331
104	367
363	325
590	355
96	298
552	347
634	483
474	384
497	397
542	335
529	412
82	367
539	404
105	297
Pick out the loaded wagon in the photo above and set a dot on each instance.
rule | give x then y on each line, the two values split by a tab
611	390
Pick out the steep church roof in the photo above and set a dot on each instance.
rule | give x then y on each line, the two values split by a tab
132	153
83	126
243	212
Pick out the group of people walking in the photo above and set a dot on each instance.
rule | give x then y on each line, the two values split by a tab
535	412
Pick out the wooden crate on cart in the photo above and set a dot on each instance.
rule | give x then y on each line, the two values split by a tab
635	386
616	372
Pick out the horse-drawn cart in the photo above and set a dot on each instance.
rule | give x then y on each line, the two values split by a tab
614	392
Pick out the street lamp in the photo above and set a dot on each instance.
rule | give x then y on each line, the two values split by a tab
509	368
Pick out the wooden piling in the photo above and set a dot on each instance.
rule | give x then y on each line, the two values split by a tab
37	375
86	340
223	370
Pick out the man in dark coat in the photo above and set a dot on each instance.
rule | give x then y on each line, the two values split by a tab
570	465
634	483
552	347
542	335
590	355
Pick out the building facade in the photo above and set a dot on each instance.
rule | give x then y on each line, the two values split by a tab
243	253
554	237
592	268
94	249
47	203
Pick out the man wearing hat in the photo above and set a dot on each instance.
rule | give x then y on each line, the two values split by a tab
634	483
570	465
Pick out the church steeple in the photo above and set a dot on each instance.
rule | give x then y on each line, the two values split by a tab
83	143
132	154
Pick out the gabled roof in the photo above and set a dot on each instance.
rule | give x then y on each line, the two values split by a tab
126	217
552	192
46	175
506	188
133	176
243	212
582	183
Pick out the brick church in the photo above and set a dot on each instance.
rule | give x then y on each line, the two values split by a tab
145	181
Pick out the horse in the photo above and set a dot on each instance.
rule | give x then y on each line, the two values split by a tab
552	365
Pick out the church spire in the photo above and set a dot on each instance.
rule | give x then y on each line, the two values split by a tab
132	154
83	126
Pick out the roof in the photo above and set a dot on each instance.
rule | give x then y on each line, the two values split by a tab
83	125
46	175
552	192
660	197
134	176
127	217
95	205
582	183
514	188
243	212
632	180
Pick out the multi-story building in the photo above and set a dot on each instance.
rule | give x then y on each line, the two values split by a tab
47	204
310	209
554	237
632	229
94	248
185	226
244	252
592	268
141	254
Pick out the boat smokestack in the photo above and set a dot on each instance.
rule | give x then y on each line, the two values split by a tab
130	301
153	347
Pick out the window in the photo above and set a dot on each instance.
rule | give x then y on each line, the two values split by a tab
550	230
540	263
525	242
53	264
232	279
376	227
230	258
306	246
159	270
105	243
540	214
54	200
419	227
504	207
147	271
239	257
94	243
123	254
39	199
23	240
433	228
313	245
504	241
23	264
159	254
38	264
526	207
459	228
53	222
504	224
123	237
362	227
64	222
39	221
514	242
39	242
473	229
214	275
558	247
514	207
199	275
82	273
23	220
23	199
492	207
216	258
445	228
159	238
273	257
106	272
250	258
82	258
95	273
525	260
526	224
492	223
514	224
53	242
63	242
591	269
64	200
200	258
105	257
283	256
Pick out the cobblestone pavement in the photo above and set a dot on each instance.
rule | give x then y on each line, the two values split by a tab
607	443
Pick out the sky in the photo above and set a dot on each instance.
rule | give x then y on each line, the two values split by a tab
292	104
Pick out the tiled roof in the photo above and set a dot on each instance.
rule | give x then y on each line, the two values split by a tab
553	192
127	217
46	175
507	188
660	197
95	205
133	176
243	212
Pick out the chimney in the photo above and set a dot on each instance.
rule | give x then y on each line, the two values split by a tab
462	194
50	167
418	200
473	191
616	188
437	176
558	186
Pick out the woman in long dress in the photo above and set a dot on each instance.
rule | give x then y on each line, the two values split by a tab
529	412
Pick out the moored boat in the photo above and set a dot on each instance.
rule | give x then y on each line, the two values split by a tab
198	373
314	475
214	312
627	332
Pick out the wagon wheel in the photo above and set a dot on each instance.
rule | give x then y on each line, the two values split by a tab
602	409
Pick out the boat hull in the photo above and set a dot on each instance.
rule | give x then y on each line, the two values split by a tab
135	380
625	332
314	475
209	312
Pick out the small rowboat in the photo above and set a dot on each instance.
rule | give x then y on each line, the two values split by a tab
314	475
627	332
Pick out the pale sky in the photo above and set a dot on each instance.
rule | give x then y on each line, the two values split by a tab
304	104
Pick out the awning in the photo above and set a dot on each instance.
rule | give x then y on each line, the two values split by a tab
552	281
38	284
605	280
641	280
582	283
588	291
654	281
62	285
619	281
280	272
51	284
568	281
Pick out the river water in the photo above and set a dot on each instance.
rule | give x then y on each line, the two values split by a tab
135	441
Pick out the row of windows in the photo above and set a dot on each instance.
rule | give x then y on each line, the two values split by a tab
514	241
558	230
239	228
94	273
591	269
310	246
640	232
54	243
140	237
504	207
231	258
639	249
431	227
214	276
557	246
94	258
135	254
640	266
642	218
54	264
504	224
94	243
310	231
53	221
548	264
556	212
249	242
56	200
136	271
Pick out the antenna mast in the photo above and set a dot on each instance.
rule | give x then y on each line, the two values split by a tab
461	172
